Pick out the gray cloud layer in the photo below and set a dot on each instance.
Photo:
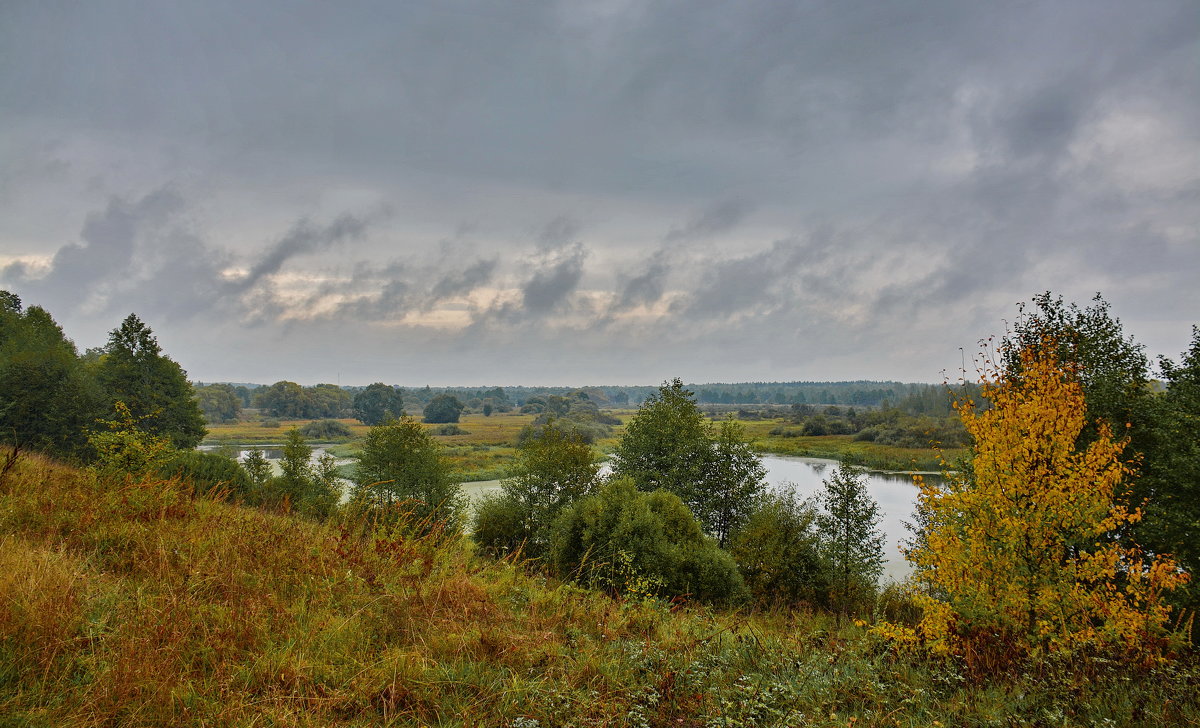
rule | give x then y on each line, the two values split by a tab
759	190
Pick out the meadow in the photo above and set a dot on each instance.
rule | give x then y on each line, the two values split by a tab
487	448
131	602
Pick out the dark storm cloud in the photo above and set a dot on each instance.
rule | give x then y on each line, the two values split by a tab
462	282
909	167
304	237
555	279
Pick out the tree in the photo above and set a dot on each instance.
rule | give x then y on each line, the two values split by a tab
733	482
1172	469
1019	558
219	402
553	470
1111	369
402	465
258	468
443	408
285	399
133	370
48	401
851	542
378	403
668	446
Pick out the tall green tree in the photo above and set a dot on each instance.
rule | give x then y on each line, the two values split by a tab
378	403
851	541
734	481
668	446
48	400
308	489
401	463
1171	472
154	387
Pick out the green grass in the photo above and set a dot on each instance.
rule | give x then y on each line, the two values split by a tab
129	602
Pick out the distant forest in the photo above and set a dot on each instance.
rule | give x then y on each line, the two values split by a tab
859	393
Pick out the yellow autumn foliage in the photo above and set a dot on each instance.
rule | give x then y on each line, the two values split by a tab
1020	556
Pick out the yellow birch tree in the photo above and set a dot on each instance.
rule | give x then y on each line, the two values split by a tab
1018	556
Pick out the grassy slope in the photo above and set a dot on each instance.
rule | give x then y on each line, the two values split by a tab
131	603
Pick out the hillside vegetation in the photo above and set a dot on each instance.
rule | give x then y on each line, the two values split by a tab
131	602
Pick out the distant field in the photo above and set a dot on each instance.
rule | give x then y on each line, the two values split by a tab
488	447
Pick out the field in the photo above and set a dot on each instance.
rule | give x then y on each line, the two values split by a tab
130	602
488	447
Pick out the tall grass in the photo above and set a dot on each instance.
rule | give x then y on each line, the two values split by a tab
132	602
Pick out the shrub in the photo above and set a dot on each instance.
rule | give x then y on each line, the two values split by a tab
208	472
272	423
499	524
450	429
778	551
325	430
627	541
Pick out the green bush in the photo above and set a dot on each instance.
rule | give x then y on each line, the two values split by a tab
636	543
208	472
272	423
450	429
778	551
325	430
499	524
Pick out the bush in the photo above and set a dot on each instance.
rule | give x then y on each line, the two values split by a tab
272	423
450	429
499	524
630	542
208	472
778	551
325	430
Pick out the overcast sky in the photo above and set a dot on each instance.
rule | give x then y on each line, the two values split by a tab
596	192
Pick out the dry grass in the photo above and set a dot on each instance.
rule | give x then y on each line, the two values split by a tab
131	603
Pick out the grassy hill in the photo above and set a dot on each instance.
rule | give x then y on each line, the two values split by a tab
128	602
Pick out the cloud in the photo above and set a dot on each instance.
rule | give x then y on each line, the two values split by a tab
555	280
303	237
718	218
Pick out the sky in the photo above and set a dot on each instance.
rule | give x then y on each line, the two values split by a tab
608	192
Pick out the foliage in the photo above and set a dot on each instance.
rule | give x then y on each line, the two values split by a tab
500	525
778	552
734	480
125	446
443	408
209	472
219	402
300	486
48	401
258	469
626	540
450	429
289	400
1019	558
1112	370
325	430
851	542
134	371
667	445
378	403
1172	476
552	471
401	469
135	604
